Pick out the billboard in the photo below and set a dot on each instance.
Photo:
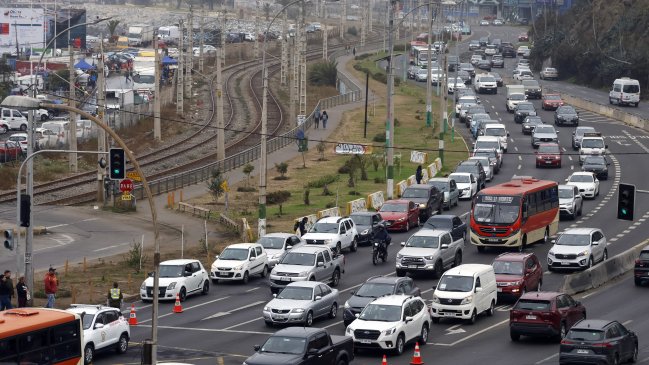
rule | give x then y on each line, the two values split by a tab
24	26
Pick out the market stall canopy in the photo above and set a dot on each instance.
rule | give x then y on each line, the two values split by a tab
83	65
169	61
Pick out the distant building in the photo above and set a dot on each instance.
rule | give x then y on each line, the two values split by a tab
63	19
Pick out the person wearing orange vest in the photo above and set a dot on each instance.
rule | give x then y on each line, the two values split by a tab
51	287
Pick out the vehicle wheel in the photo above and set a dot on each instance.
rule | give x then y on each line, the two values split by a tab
122	344
546	235
634	357
481	248
339	249
523	244
438	270
312	278
610	101
474	316
23	127
590	262
457	201
308	322
333	311
44	117
616	359
182	294
264	271
637	281
384	257
408	225
636	105
491	310
550	268
246	277
335	278
375	257
562	332
354	245
268	323
423	338
539	285
88	354
597	192
342	362
215	281
514	336
575	212
457	261
3	129
605	257
440	209
401	273
401	342
206	287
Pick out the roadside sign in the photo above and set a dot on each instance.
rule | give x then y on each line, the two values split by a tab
126	185
127	196
133	175
225	187
352	149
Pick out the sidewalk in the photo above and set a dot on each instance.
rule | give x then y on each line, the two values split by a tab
194	226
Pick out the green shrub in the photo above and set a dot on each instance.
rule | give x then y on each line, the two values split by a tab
321	182
323	73
379	137
277	197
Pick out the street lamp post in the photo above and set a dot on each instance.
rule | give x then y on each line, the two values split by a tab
389	130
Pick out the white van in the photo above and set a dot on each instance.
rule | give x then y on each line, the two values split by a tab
497	130
464	292
12	119
489	142
625	91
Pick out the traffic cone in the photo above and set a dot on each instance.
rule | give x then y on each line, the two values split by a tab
177	307
132	319
416	357
385	360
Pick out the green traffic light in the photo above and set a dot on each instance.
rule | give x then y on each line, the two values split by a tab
624	211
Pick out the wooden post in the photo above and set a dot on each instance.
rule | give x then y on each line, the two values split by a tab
65	268
130	283
90	288
84	264
73	290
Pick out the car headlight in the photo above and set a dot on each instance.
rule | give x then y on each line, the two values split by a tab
328	241
583	253
238	268
276	256
304	273
429	257
435	299
591	189
171	286
399	256
557	157
347	306
143	286
422	205
365	232
401	219
390	331
297	310
266	309
467	300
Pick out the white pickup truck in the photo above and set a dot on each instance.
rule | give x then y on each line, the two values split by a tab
337	233
317	263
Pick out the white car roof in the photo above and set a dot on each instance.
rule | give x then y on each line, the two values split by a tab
580	231
495	125
585	173
459	174
333	219
279	234
309	249
178	262
18	135
465	269
391	300
87	308
426	232
243	245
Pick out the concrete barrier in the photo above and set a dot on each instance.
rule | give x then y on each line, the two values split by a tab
424	176
375	200
358	205
401	187
411	180
330	212
418	157
601	273
36	229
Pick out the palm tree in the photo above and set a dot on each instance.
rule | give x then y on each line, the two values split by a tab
112	27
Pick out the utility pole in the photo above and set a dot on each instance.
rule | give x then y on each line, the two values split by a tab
325	36
389	131
369	3
429	88
256	45
180	78
189	55
363	25
220	126
200	47
223	28
295	70
343	18
284	55
303	62
442	96
157	129
101	109
72	131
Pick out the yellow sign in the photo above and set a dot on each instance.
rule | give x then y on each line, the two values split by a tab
133	175
126	196
225	187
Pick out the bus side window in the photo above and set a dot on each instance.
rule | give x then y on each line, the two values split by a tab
525	208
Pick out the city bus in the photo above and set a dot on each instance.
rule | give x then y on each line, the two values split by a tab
514	214
420	53
40	336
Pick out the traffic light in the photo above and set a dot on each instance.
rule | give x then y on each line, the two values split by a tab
9	239
25	209
626	202
117	163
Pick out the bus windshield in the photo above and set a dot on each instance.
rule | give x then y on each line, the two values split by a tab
496	209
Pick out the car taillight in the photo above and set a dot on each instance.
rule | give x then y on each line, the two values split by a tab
637	261
566	342
607	345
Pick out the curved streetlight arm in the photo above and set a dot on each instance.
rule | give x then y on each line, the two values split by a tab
403	18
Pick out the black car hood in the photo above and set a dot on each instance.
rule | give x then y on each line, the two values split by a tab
360	228
567	116
359	302
418	200
588	167
263	358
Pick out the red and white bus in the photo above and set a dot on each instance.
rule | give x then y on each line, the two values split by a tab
40	336
514	214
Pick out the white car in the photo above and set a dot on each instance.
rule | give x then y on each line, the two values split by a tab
513	100
454	85
586	182
466	184
21	139
103	328
521	50
578	248
338	233
487	166
277	245
181	277
239	261
421	75
500	131
390	322
491	50
521	75
592	144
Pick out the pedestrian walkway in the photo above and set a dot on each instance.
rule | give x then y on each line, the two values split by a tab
194	227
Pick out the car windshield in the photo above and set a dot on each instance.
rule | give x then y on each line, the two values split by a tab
516	97
592	143
573	240
566	193
237	254
440	185
522	106
375	290
362	220
86	320
508	267
381	313
496	209
533	121
461	178
566	110
581	130
299	258
423	242
498	132
595	160
171	271
631	89
487	79
392	207
552	97
455	283
644	255
296	293
585	335
487	144
274	243
581	178
544	129
284	345
533	305
549	149
17	138
415	193
322	227
439	223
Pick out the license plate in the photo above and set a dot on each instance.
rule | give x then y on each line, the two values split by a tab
284	278
565	263
412	266
279	317
365	341
223	274
548	162
449	314
493	239
582	351
530	317
500	290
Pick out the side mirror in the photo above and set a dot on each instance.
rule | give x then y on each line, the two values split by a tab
557	132
553	241
320	264
409	319
444	246
596	243
216	257
566	180
357	315
99	326
478	289
318	297
312	352
403	244
288	247
188	273
577	303
257	347
274	295
605	146
507	134
352	292
434	287
252	259
151	273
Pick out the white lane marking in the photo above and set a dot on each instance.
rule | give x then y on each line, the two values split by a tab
520	158
58	225
252	289
547	272
473	334
454	330
188	308
62	239
546	359
109	247
572	167
68	224
627	322
242	323
515	148
333	324
563	149
570	158
519	167
464	214
221	314
209	330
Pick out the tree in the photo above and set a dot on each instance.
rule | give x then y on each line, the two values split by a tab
112	27
278	197
282	169
248	170
323	73
215	185
362	161
321	147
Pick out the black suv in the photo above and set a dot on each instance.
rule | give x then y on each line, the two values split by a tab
373	288
641	269
428	197
522	110
367	223
566	114
508	52
448	222
597	341
475	168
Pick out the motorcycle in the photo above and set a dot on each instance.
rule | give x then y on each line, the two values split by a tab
379	252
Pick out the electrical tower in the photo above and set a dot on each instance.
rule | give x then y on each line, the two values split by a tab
72	160
180	78
200	47
224	21
101	107
294	75
284	54
343	18
189	55
256	46
220	126
157	128
302	62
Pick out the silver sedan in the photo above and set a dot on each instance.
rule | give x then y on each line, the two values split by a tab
300	303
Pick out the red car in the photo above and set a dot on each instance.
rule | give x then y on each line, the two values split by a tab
544	314
548	154
517	273
400	214
9	151
523	37
552	101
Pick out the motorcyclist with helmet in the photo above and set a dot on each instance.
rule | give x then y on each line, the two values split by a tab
383	238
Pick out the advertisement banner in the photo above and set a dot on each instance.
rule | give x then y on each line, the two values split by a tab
24	26
418	157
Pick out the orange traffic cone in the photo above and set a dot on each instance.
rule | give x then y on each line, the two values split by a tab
416	357
132	319
385	360
177	307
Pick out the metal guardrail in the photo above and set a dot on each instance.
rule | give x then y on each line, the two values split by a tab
191	177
